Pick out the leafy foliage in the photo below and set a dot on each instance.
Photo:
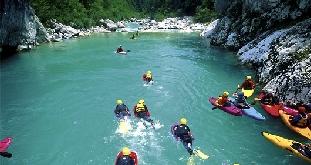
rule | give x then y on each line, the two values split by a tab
85	13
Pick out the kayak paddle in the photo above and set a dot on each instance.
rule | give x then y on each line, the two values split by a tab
6	154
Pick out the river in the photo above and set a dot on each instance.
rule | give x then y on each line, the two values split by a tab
57	102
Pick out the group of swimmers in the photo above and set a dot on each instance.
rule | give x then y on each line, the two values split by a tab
181	131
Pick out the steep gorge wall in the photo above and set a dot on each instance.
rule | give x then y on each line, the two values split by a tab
274	36
19	25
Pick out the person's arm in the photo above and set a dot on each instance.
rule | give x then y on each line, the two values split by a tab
146	108
128	111
116	110
253	84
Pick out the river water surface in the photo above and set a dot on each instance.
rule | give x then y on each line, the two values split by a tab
57	103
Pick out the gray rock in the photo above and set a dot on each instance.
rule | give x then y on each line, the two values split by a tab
280	57
19	25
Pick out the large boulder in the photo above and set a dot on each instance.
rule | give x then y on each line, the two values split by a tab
19	25
109	24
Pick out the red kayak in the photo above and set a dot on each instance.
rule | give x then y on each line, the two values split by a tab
5	143
133	155
273	110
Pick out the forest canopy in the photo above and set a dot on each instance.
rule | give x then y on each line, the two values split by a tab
86	13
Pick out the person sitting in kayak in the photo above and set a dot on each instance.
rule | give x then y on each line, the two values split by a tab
141	111
303	149
301	119
121	110
223	99
133	37
182	131
125	157
147	76
240	99
120	49
270	99
248	83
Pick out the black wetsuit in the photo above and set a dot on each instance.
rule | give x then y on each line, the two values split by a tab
121	111
303	149
125	160
183	132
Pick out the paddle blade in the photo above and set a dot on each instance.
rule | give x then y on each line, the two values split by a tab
200	154
191	160
6	154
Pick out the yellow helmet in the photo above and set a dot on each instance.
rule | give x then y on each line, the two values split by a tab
226	93
183	121
141	101
126	151
119	102
248	77
148	75
148	72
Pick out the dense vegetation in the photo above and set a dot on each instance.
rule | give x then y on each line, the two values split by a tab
85	13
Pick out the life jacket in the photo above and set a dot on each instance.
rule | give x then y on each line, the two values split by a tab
148	76
248	84
140	108
125	160
222	100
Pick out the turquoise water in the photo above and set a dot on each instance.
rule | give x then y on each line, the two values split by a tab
57	103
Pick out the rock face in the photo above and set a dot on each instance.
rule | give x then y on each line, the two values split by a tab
249	18
109	24
275	37
19	25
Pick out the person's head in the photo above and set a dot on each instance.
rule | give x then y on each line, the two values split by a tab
119	102
120	46
269	95
225	94
301	109
248	77
126	151
141	101
149	72
183	121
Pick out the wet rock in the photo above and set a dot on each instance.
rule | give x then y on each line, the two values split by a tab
19	25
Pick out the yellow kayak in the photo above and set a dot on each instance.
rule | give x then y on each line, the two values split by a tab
248	93
306	132
285	144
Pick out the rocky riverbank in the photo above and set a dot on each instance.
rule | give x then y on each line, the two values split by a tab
274	37
58	32
32	31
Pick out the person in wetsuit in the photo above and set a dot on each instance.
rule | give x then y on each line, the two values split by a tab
121	110
182	131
